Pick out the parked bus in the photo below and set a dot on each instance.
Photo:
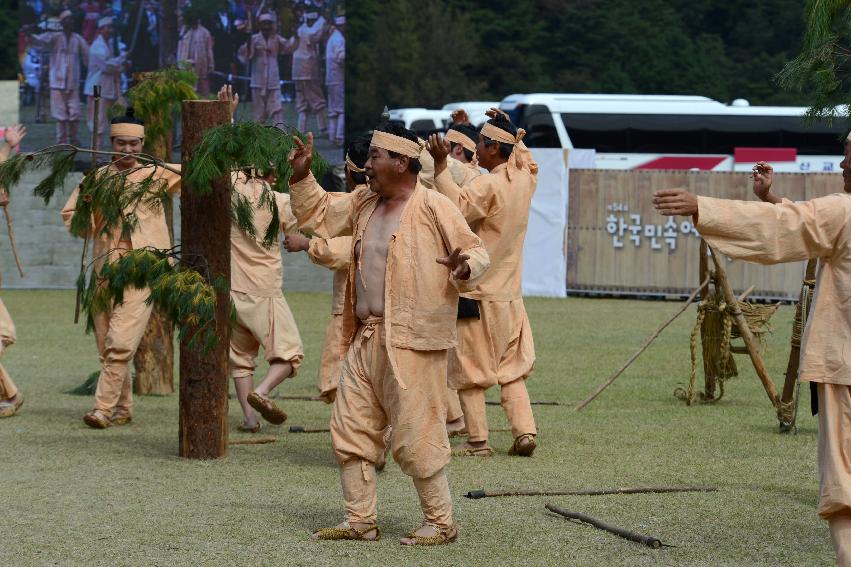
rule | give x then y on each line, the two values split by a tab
678	132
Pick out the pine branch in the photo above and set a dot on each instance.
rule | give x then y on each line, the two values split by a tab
177	289
823	68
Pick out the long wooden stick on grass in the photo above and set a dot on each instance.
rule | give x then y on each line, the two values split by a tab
646	344
649	541
476	494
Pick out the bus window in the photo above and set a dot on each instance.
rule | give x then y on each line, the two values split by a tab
537	120
695	134
422	127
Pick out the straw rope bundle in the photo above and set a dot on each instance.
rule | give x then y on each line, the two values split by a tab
716	329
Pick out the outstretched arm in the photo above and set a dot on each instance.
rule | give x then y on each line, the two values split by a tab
763	232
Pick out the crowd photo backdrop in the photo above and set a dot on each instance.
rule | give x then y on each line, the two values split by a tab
285	58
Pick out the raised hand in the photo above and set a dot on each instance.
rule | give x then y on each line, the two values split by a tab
497	112
296	242
460	116
14	134
671	202
762	178
226	94
457	264
438	147
300	158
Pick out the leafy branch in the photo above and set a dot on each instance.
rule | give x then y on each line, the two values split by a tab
822	70
178	287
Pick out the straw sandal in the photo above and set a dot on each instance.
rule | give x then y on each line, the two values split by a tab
8	409
521	448
442	536
466	450
348	533
121	418
96	419
243	427
267	408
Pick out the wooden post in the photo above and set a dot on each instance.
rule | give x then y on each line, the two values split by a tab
744	330
205	232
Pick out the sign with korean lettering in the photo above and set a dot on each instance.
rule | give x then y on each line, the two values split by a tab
617	242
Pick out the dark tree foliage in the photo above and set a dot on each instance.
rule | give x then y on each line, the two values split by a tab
430	53
9	25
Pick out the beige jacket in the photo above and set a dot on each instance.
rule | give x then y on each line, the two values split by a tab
255	269
334	254
420	298
497	206
150	227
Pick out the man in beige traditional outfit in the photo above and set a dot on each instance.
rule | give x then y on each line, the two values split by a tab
263	317
398	322
495	343
119	330
335	81
11	399
308	88
261	52
104	70
195	48
782	231
67	49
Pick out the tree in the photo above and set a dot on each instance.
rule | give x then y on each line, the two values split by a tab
822	71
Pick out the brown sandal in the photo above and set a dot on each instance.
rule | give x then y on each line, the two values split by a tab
8	409
348	533
267	408
442	536
521	449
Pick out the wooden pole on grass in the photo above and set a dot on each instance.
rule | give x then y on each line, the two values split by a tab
205	231
744	330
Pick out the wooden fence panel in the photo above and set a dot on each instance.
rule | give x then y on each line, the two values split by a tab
617	243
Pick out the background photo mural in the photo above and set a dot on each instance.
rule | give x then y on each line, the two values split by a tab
285	58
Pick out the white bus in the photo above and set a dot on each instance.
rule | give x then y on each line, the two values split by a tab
678	132
424	121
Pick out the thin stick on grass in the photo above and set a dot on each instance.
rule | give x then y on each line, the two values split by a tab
476	494
646	344
649	541
534	403
253	441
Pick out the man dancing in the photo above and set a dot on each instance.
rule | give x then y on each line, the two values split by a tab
398	322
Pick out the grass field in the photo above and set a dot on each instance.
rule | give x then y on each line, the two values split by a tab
72	495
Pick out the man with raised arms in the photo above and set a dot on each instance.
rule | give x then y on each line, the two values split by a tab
412	250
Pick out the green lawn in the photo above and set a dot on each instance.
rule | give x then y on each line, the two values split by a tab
72	495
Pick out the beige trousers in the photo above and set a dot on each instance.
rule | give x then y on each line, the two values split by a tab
834	456
496	349
266	322
308	96
119	332
266	105
369	398
332	359
65	108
